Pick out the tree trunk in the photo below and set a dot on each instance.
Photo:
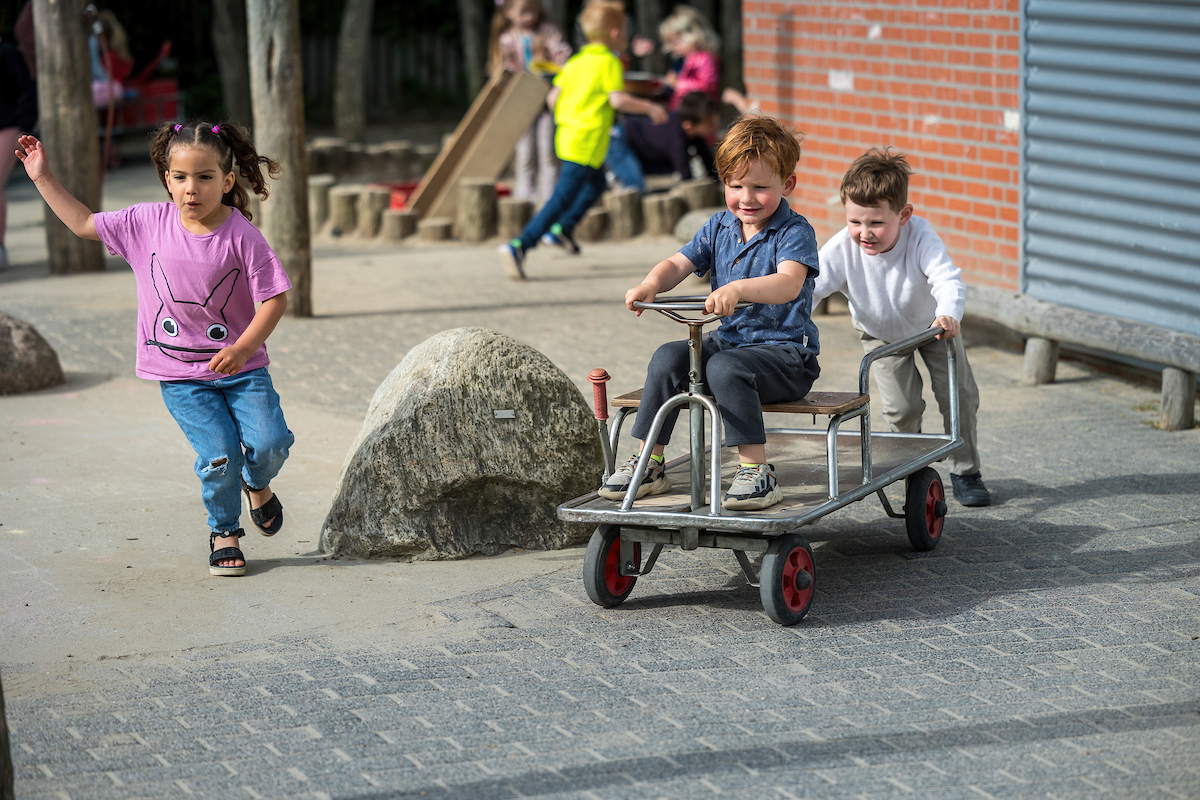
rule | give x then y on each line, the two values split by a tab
6	765
559	13
474	23
731	45
649	14
233	58
350	79
68	121
276	89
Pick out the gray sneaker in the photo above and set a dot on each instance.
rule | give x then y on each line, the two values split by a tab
753	487
655	481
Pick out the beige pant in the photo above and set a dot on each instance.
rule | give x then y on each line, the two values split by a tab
896	390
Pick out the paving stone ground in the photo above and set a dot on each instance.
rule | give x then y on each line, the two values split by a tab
1049	646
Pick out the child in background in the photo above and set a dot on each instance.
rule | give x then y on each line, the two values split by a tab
760	251
688	35
523	35
894	270
200	267
585	93
639	147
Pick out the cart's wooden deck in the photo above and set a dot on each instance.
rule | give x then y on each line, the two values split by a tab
800	467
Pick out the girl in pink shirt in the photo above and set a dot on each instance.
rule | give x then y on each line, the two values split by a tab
687	34
200	267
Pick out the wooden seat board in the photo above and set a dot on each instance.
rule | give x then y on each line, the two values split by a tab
828	403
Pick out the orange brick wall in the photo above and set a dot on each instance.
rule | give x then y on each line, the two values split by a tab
932	78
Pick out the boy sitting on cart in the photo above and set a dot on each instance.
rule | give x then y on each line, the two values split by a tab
894	270
758	251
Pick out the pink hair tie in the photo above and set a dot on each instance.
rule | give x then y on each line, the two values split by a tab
178	127
216	128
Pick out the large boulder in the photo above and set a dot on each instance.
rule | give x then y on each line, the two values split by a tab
468	447
691	222
27	362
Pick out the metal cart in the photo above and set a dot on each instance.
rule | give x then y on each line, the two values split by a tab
819	470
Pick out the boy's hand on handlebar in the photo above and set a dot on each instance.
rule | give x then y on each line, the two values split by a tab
949	325
643	293
33	158
723	301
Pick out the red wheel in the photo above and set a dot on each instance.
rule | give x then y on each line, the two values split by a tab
925	509
602	579
787	579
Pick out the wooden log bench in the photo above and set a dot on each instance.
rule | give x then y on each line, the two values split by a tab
1047	325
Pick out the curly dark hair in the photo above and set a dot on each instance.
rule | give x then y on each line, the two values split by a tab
231	143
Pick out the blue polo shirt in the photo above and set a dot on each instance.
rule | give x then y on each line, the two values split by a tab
718	249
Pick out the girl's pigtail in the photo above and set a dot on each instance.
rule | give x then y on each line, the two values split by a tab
249	165
160	147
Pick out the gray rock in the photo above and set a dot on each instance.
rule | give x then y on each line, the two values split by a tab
691	222
27	362
439	470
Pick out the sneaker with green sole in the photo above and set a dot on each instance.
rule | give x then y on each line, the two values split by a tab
655	481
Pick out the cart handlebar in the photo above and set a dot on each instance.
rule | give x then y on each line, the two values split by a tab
671	306
901	346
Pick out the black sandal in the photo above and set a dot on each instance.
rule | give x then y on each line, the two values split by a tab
225	554
270	510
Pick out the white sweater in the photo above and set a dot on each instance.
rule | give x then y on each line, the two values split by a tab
898	293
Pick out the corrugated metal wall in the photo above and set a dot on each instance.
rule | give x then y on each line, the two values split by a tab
1112	158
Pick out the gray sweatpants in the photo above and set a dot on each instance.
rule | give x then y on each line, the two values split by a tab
896	391
740	379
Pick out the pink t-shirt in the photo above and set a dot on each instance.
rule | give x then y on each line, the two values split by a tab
701	72
196	293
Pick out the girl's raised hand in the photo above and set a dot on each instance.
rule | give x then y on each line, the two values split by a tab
34	157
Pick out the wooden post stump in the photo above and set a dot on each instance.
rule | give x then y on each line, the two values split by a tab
435	229
375	163
624	208
343	208
476	210
329	153
593	227
662	211
1178	400
356	160
371	204
1041	361
399	160
425	154
699	194
318	198
399	225
514	215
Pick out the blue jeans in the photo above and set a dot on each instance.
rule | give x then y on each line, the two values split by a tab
622	162
577	189
237	429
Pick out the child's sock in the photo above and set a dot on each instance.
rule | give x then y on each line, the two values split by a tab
744	464
659	459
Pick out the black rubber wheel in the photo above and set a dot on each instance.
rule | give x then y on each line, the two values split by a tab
604	584
924	509
787	579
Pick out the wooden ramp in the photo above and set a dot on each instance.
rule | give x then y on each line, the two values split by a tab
483	143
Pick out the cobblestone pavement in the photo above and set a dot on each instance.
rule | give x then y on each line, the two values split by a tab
1049	647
